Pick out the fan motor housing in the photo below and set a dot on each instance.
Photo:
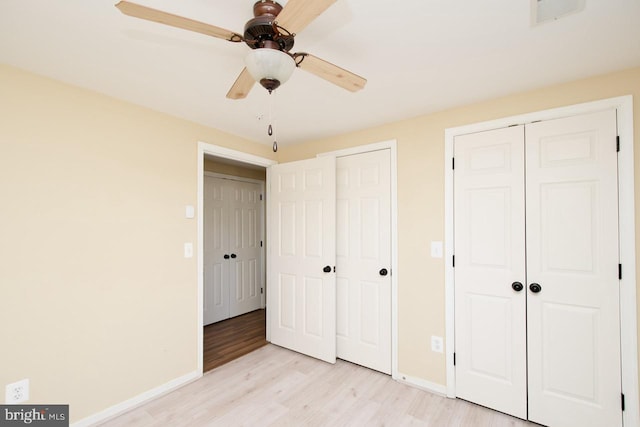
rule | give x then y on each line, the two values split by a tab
261	28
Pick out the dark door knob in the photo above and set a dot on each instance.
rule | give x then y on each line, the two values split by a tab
517	286
226	256
383	272
233	255
327	269
535	288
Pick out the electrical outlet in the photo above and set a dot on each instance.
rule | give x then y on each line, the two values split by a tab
17	392
437	344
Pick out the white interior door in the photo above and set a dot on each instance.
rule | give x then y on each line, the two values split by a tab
363	279
490	315
301	300
245	279
571	291
572	254
216	243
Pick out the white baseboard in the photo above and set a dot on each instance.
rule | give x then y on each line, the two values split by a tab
422	384
138	400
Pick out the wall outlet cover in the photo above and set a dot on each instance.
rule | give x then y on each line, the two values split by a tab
17	392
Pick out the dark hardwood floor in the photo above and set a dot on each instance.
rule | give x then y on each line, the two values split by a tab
229	339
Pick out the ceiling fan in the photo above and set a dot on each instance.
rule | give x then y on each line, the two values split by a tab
270	34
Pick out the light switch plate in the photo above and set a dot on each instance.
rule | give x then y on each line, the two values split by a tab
436	249
437	344
189	211
188	250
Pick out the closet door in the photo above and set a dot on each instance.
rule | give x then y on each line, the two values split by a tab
490	300
572	264
301	300
571	290
245	279
232	251
363	276
216	244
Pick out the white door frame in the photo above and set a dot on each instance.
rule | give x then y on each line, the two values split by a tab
226	153
391	145
626	203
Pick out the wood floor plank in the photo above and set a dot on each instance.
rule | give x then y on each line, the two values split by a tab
227	340
272	386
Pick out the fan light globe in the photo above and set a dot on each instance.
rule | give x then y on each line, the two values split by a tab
270	67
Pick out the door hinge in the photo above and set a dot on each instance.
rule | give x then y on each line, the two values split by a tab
454	359
262	290
454	261
261	197
619	271
260	243
622	400
618	143
453	163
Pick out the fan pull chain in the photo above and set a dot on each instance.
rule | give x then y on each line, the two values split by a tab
271	128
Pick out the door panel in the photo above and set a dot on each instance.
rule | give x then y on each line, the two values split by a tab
559	201
302	305
216	242
363	249
490	316
572	248
246	274
493	314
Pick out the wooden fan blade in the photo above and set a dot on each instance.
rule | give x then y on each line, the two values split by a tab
297	14
242	86
143	12
331	73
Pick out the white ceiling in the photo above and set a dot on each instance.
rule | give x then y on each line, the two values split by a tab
419	56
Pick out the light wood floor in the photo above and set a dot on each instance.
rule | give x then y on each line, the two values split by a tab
227	340
276	387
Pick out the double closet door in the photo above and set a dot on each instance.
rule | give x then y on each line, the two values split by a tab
233	274
330	258
537	327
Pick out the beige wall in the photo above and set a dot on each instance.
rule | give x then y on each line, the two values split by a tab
97	303
421	304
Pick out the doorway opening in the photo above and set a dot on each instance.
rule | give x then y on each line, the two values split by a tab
243	329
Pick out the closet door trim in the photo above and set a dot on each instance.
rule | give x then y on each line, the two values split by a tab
628	309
